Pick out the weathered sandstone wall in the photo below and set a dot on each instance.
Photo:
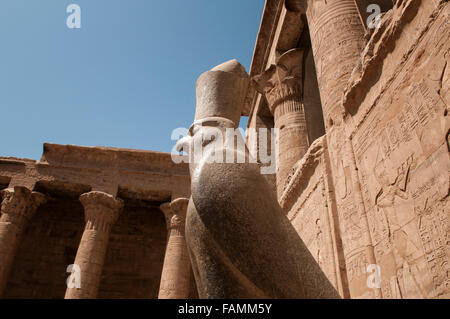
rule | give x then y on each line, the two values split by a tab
374	189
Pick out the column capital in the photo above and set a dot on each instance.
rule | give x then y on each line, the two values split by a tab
176	269
283	80
175	213
100	209
19	204
17	207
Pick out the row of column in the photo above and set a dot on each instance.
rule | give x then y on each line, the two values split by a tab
17	208
281	84
101	212
337	38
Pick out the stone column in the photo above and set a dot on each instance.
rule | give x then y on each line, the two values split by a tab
176	272
282	86
17	208
337	38
101	212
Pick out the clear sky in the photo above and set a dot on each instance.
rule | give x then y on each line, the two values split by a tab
125	79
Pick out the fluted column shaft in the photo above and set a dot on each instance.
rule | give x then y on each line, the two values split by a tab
176	272
101	212
282	86
17	208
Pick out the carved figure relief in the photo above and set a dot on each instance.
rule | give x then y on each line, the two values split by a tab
404	249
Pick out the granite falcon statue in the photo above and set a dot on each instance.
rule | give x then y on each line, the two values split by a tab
240	243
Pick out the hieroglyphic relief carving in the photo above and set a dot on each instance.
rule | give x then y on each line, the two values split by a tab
388	138
337	38
392	229
403	248
434	229
309	216
308	191
402	231
402	154
349	217
389	189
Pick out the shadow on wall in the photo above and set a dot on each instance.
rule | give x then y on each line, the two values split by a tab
135	256
48	246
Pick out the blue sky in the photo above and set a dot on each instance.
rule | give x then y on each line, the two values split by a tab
125	79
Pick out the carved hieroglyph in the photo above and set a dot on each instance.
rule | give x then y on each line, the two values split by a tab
401	149
282	86
311	208
404	154
337	38
310	218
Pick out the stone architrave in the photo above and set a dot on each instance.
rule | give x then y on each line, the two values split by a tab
282	86
176	271
101	212
17	208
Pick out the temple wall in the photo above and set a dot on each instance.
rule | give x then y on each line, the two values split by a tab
311	98
55	213
398	126
133	262
48	246
374	190
310	207
135	255
370	194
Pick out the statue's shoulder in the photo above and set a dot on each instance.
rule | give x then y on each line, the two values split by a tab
230	182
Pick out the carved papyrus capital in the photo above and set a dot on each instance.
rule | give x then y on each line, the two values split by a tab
19	205
101	210
282	81
175	213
